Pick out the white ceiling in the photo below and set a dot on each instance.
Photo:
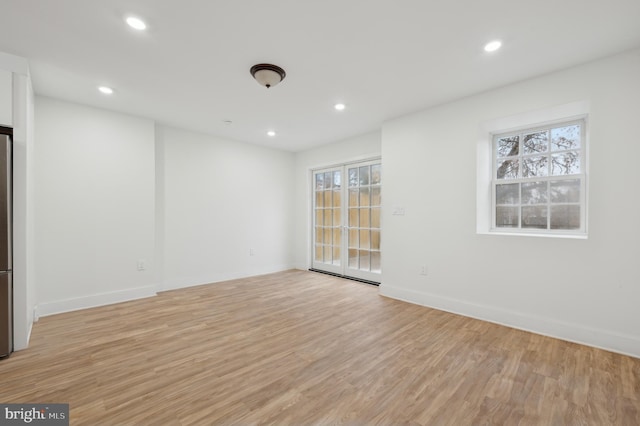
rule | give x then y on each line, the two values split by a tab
382	58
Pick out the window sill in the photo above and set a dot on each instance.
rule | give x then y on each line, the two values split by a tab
532	234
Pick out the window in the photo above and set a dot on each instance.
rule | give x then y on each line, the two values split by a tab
538	183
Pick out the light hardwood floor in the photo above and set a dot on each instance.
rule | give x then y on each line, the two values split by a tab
304	348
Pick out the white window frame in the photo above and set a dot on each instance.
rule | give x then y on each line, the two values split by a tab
495	182
485	196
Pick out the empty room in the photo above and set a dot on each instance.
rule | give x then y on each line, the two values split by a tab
307	213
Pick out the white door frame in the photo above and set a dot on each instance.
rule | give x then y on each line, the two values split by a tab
358	198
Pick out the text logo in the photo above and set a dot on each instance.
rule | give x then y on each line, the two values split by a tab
34	414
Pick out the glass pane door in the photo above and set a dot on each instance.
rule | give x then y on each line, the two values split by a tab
364	205
327	226
346	224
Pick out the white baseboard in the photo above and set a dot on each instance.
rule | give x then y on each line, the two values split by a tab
94	300
598	338
176	284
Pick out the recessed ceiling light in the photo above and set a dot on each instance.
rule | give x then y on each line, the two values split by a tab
339	107
136	23
492	46
106	90
271	133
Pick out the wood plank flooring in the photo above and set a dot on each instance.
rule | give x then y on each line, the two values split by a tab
304	348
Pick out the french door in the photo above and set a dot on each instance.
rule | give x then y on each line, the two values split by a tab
346	220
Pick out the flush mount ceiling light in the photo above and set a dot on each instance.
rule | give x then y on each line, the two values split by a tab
340	107
271	133
267	75
136	23
492	46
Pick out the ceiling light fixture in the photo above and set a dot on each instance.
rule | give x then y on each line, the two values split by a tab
106	90
267	75
492	46
271	133
340	107
136	23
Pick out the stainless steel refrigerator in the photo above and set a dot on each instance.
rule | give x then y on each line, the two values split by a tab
6	282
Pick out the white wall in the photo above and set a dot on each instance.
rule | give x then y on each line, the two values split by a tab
25	89
112	189
23	210
580	290
354	149
94	186
219	200
6	98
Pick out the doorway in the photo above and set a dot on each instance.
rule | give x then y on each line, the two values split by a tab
347	203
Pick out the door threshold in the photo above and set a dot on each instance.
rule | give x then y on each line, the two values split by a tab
346	277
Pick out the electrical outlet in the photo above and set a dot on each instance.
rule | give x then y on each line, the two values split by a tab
252	252
424	270
141	265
